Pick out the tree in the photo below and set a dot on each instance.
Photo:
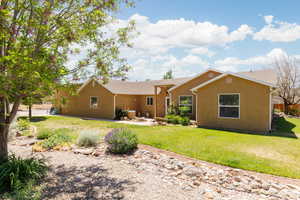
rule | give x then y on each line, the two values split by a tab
168	75
288	81
29	100
39	36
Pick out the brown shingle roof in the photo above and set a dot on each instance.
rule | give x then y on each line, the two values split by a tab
147	87
140	87
267	75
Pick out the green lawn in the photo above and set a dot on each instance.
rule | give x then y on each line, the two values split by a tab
278	154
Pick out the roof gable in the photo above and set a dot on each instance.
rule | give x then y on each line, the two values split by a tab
89	81
235	75
195	77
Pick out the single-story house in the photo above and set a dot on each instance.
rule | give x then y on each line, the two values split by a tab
216	99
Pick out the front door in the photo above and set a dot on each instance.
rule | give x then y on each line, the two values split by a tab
167	104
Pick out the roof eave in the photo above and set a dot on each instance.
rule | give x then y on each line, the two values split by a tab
236	75
198	75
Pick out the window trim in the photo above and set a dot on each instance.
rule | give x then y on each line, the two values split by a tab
147	100
239	106
94	107
192	104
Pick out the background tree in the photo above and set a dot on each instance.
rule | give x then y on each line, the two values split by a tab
288	81
168	75
38	36
31	99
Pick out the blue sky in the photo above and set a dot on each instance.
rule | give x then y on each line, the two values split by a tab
189	36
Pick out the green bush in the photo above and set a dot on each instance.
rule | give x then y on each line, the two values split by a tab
121	141
55	140
23	124
44	134
88	138
276	110
173	119
176	119
293	112
16	173
185	121
184	111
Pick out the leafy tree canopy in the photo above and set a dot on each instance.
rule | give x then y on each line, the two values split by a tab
38	36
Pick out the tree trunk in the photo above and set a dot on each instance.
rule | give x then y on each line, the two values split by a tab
286	108
3	141
30	111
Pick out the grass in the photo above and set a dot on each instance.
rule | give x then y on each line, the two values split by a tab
276	154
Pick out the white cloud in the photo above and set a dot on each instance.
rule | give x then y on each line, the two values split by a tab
156	66
160	36
278	31
201	51
268	19
234	64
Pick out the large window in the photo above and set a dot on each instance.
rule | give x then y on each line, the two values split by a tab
149	101
229	106
93	102
187	103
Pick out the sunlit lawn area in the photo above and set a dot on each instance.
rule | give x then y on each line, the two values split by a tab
276	154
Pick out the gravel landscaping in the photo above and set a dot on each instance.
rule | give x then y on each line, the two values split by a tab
150	174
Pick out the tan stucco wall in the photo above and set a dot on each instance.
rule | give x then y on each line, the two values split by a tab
143	108
162	93
79	105
135	102
126	102
185	89
254	105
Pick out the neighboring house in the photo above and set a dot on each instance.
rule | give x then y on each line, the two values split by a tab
216	99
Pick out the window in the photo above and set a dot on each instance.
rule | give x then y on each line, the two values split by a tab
187	103
94	102
229	105
149	101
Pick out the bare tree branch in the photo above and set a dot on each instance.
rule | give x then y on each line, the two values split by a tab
288	80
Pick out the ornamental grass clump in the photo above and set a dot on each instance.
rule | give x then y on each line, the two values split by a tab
88	138
16	172
56	140
121	141
44	134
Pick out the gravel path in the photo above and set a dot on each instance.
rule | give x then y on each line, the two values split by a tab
142	176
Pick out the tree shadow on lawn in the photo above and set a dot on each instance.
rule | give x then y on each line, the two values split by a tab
34	118
283	128
92	182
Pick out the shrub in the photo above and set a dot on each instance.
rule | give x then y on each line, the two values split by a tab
176	119
184	111
44	134
88	138
16	173
173	119
121	141
184	121
55	140
293	112
120	113
23	124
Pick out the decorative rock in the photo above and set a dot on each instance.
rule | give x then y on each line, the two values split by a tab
28	142
192	171
196	183
83	151
237	179
272	191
